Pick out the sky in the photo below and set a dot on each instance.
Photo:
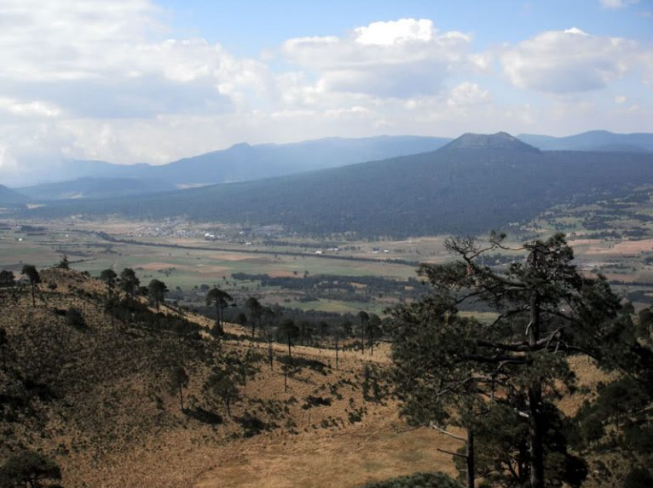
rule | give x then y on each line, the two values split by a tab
130	81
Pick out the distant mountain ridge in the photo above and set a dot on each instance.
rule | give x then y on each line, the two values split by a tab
475	184
243	162
10	197
499	141
597	140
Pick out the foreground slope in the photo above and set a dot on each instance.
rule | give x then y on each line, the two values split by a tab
95	394
472	185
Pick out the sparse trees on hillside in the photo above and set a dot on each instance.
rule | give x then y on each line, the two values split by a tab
7	278
220	299
64	263
374	331
255	310
74	318
29	469
288	332
178	381
156	291
32	274
129	283
222	385
364	319
109	276
3	346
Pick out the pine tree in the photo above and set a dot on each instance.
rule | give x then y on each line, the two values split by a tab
544	310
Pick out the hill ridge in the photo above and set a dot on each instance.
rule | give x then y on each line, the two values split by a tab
497	141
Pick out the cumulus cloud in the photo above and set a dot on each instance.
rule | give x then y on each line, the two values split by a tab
401	59
567	61
105	62
467	93
616	4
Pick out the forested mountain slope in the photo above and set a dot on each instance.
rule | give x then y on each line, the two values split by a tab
9	196
472	185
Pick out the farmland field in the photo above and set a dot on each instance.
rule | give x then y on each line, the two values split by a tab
179	253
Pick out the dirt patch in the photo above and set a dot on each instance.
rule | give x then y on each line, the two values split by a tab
623	248
281	274
157	266
203	269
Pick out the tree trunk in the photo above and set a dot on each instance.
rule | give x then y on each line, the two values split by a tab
362	337
469	459
181	397
336	351
33	301
536	435
218	318
535	431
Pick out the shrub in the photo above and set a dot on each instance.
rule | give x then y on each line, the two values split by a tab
29	468
74	318
639	478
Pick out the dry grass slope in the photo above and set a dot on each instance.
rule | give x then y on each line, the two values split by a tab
97	398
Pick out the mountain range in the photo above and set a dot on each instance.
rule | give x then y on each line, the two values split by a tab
597	140
243	161
75	179
471	185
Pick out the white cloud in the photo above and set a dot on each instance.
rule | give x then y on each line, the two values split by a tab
616	4
398	59
466	94
567	61
106	65
390	33
34	108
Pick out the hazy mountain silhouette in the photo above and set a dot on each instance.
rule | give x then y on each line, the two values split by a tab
9	196
597	140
